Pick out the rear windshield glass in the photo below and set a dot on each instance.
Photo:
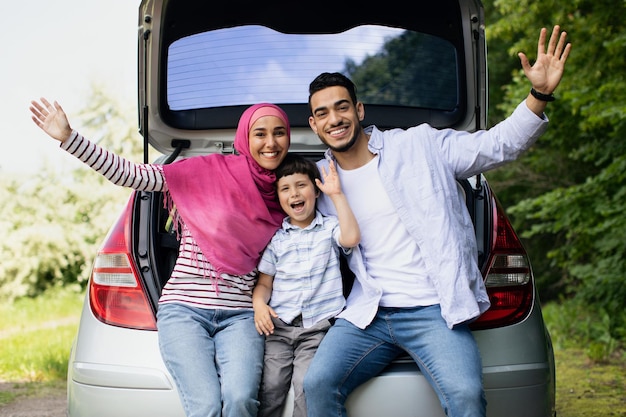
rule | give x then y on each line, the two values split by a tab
250	64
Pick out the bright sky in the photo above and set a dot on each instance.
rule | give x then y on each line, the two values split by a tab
57	50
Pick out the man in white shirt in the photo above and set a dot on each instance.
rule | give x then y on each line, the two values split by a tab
407	296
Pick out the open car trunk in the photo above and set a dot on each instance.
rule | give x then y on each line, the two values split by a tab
200	67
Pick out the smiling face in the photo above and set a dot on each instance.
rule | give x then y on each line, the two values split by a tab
269	141
336	119
297	194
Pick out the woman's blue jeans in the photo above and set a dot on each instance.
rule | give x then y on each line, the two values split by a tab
349	356
215	358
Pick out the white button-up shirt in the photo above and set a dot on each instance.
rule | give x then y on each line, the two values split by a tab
419	168
305	267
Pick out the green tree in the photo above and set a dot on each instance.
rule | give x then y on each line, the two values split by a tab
423	62
55	222
570	188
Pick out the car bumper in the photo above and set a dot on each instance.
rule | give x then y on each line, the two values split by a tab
119	372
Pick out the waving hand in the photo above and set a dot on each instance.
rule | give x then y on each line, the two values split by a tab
547	71
51	119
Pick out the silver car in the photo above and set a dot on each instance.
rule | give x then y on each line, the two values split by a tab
199	67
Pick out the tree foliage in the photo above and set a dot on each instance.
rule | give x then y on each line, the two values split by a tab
423	62
568	194
54	222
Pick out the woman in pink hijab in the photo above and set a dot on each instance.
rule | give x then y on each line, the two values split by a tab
226	211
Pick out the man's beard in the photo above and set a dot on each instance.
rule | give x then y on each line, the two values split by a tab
348	145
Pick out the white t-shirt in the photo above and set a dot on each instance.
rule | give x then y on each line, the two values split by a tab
391	256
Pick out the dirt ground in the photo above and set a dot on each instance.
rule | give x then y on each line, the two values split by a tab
50	402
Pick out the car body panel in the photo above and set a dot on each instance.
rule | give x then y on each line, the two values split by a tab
129	366
118	372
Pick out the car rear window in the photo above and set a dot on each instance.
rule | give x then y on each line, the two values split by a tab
249	64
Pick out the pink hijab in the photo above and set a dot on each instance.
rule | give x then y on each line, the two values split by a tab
228	202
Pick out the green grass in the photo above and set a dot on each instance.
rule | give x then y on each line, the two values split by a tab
589	389
36	336
13	391
590	360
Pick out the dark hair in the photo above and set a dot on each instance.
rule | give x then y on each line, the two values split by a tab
334	79
296	164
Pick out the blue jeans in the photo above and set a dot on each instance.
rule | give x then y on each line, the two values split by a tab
215	358
349	356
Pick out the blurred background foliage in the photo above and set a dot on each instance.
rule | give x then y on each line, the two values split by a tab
54	222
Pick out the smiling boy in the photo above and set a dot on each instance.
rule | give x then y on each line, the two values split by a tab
299	290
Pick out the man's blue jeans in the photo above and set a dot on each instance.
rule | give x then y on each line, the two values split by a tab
215	358
349	356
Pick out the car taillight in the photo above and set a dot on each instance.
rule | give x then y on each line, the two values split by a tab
115	293
508	276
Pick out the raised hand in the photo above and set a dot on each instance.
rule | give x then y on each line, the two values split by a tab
547	71
330	184
51	119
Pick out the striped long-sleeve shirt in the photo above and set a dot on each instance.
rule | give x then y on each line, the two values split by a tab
190	282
